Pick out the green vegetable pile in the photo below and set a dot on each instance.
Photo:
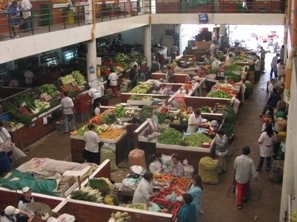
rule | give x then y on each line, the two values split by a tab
196	139
120	111
99	184
205	109
228	114
170	136
161	117
87	194
49	89
106	119
79	78
219	94
145	112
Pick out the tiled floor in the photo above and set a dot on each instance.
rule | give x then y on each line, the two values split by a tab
218	200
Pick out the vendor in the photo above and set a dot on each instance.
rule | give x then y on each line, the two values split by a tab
91	152
95	95
24	200
212	49
169	74
155	163
176	168
229	58
130	135
194	121
163	90
144	191
7	143
10	212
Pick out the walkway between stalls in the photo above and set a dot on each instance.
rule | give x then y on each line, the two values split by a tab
218	201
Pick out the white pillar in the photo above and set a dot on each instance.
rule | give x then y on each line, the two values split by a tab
148	44
91	64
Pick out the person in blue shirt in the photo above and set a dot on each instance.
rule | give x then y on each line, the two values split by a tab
14	18
188	210
196	191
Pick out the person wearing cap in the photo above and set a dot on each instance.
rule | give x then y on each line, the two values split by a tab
9	213
26	198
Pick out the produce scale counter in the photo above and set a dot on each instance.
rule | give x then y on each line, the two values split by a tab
77	145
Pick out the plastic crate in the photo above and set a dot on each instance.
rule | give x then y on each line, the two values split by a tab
175	206
227	128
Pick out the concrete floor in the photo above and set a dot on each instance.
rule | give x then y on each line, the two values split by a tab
218	201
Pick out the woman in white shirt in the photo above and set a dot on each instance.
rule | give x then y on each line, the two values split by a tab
113	82
156	164
194	121
266	142
91	152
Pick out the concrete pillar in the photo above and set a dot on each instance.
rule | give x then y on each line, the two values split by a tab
91	64
148	44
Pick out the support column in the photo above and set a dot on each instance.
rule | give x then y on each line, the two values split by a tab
91	64
148	45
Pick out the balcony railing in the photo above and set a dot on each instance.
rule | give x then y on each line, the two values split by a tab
49	18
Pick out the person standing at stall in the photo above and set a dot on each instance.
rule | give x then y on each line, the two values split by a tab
262	57
244	170
169	74
14	18
95	95
220	150
144	191
188	210
194	121
176	168
29	76
174	50
24	200
133	73
113	82
7	144
274	66
68	111
155	163
91	152
257	68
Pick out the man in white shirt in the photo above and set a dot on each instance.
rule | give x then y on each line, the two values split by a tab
274	66
68	111
95	95
244	168
26	198
212	49
257	68
29	76
270	87
113	82
26	7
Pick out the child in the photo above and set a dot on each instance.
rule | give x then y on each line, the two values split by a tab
187	212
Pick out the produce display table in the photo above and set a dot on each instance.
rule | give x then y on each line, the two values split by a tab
77	145
24	135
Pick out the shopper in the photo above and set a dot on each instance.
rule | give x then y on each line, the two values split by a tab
130	128
271	103
266	142
174	51
68	111
97	109
194	121
139	77
188	211
113	82
262	53
257	68
29	76
144	191
244	168
270	121
274	66
270	87
221	150
169	74
14	18
10	212
195	191
91	152
7	144
282	53
26	7
148	73
176	168
155	163
24	200
133	73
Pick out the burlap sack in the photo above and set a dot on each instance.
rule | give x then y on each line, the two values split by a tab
208	170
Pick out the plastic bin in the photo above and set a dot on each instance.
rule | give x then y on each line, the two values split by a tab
175	206
227	128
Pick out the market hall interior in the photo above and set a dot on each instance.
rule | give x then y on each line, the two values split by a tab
218	201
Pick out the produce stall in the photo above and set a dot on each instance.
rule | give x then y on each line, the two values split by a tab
32	113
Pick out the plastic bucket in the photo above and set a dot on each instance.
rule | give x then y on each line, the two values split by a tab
5	164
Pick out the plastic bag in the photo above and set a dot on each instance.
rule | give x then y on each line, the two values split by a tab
172	197
167	161
109	154
17	153
109	146
154	207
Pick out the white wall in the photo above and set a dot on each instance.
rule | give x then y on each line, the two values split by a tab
158	31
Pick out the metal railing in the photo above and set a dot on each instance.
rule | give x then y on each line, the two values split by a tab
48	19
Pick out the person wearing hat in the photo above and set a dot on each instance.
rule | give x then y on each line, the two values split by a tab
8	215
26	198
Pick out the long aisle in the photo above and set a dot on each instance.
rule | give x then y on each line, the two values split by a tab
219	200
